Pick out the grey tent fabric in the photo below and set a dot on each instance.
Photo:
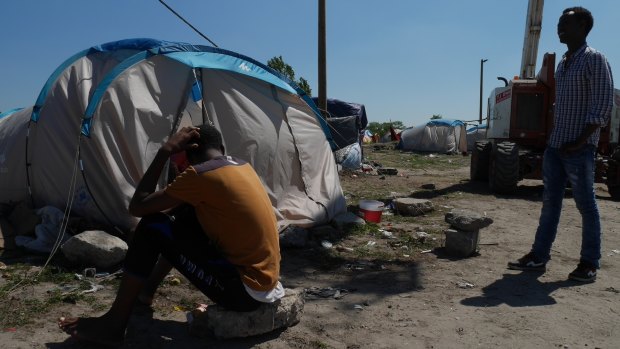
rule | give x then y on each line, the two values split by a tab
475	134
104	118
13	132
438	137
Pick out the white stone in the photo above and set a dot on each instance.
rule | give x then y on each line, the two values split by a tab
221	323
467	220
412	207
95	248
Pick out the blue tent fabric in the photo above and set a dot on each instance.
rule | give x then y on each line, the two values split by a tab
140	44
478	127
9	112
445	122
197	56
140	90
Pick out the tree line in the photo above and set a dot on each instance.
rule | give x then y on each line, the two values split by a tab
278	64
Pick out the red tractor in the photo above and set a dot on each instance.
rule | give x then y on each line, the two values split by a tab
519	120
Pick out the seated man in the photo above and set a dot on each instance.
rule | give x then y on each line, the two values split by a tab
221	234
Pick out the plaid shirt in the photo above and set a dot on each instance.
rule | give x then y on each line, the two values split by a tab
584	95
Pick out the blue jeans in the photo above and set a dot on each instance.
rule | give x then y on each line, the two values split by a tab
558	169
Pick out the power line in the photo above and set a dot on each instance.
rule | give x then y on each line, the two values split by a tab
188	23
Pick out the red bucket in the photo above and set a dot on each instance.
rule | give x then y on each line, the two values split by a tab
371	210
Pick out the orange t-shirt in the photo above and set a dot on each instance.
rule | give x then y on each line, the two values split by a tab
234	211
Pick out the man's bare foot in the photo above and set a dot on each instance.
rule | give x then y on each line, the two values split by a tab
93	330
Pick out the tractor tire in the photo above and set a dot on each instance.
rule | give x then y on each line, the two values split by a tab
479	166
504	168
613	175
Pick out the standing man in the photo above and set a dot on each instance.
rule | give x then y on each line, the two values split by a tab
583	103
219	231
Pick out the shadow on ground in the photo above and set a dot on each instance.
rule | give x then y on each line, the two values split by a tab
523	192
145	332
523	289
374	278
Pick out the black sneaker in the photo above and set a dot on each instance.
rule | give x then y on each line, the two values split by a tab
528	262
585	272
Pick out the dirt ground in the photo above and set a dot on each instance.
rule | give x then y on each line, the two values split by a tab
396	294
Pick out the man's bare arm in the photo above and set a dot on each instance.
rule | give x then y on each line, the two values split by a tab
146	200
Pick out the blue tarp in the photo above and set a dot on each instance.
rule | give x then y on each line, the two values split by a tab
445	122
338	109
479	127
346	121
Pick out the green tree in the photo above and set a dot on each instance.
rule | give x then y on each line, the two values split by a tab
304	85
382	128
397	124
375	127
436	116
278	64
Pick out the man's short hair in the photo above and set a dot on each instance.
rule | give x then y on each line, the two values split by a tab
581	14
210	138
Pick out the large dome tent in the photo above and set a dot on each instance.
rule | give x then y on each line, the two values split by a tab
110	109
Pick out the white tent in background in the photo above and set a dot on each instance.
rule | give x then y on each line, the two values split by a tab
437	136
474	134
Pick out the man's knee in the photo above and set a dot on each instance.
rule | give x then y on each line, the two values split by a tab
151	226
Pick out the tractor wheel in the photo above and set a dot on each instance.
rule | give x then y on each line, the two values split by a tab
504	168
613	175
479	167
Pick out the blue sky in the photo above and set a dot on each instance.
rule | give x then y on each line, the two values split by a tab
403	59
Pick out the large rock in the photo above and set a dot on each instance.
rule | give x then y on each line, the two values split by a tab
412	207
387	171
95	248
467	220
460	243
221	323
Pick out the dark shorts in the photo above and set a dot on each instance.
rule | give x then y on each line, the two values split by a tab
179	238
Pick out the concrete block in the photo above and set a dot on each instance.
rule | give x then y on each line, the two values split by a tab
461	243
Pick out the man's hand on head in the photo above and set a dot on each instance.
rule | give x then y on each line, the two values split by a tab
182	140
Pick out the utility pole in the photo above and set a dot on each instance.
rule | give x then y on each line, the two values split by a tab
322	65
481	76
